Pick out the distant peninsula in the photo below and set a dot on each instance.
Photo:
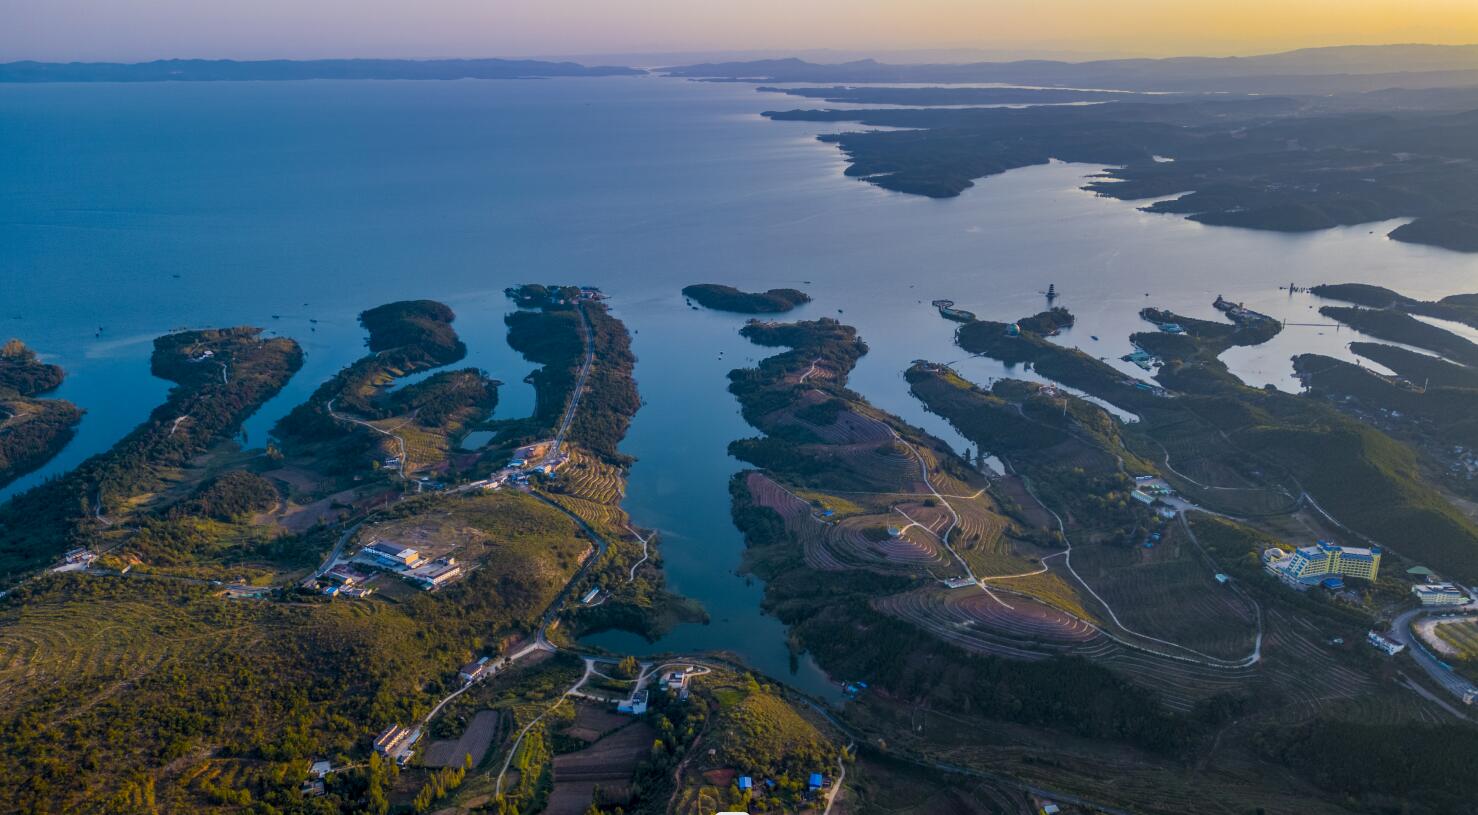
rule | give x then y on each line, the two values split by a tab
728	298
1281	164
888	95
228	70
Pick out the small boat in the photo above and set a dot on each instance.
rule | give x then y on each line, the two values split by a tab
1094	337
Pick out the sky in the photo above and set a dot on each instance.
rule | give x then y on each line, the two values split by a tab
129	30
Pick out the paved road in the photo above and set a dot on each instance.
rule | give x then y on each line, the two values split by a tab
564	425
1448	679
333	556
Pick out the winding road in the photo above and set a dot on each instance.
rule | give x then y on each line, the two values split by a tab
1446	678
398	440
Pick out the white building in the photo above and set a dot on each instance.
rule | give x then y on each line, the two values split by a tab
397	743
1391	647
1441	594
636	706
474	670
393	554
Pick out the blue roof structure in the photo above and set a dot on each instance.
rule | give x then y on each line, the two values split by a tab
815	781
745	782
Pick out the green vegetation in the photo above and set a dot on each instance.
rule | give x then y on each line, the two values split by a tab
354	421
554	337
1261	440
728	298
424	325
447	398
111	680
1069	366
831	613
31	430
1383	768
213	395
1070	449
733	726
23	373
1461	308
761	735
405	337
1397	326
1418	368
229	496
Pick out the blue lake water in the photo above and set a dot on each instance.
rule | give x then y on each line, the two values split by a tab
128	210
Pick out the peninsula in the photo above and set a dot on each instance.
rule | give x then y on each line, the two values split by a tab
32	430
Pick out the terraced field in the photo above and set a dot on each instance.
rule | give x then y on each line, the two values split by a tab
588	477
1180	683
1298	660
1168	592
53	647
990	622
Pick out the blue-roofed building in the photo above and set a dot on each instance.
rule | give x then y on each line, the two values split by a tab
816	781
1311	565
745	783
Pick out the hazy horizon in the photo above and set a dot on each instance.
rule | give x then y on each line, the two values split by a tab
80	30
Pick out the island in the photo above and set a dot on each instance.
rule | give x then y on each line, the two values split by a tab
728	298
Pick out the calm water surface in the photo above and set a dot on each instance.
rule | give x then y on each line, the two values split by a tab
128	210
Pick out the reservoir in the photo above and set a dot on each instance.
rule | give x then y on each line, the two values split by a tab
128	210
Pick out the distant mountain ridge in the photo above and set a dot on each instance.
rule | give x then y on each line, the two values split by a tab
1339	68
226	70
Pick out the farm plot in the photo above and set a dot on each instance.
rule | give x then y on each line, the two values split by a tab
1461	636
801	525
474	742
607	764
